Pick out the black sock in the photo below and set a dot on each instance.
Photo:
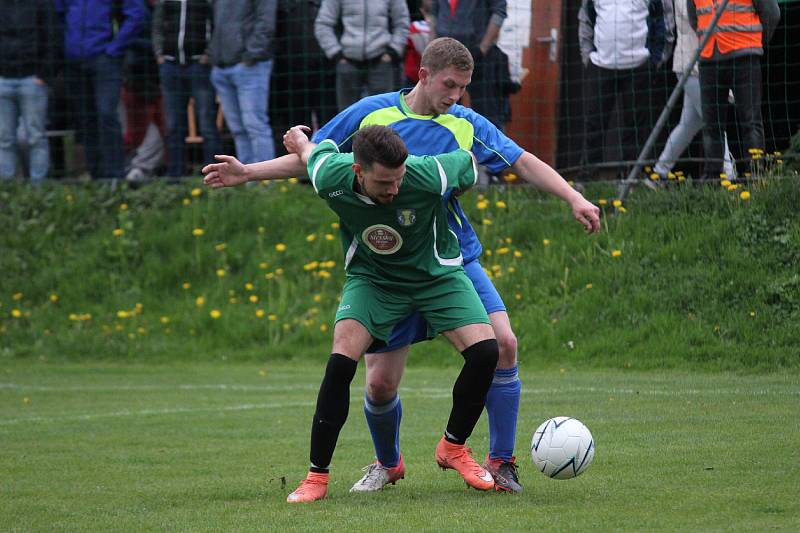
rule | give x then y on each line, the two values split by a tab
333	405
470	389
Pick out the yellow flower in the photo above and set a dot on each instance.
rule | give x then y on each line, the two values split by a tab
324	274
329	237
215	314
186	285
123	207
123	314
511	270
68	198
335	225
141	330
186	201
654	176
482	204
511	177
280	247
284	188
486	222
622	209
671	175
517	254
269	275
260	313
311	237
489	253
253	298
602	201
328	264
723	175
617	203
733	187
165	320
589	285
197	191
17	296
220	247
16	313
616	253
500	204
262	230
221	272
744	195
263	265
292	180
248	286
495	268
517	296
54	297
681	178
73	317
317	298
546	242
323	328
508	240
272	318
233	301
200	301
279	272
502	251
755	151
311	266
725	183
198	232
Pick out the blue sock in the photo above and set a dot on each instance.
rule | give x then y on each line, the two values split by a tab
384	426
502	406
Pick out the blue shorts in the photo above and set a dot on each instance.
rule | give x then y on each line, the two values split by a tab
414	328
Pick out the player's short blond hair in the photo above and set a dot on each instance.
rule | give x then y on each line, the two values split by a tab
446	52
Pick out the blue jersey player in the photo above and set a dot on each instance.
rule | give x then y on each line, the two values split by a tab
430	122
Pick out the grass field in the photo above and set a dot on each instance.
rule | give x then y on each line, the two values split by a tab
217	446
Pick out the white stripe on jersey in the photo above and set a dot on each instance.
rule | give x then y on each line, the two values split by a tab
350	252
316	169
442	176
456	261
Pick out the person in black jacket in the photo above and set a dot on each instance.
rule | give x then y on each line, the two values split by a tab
30	46
181	31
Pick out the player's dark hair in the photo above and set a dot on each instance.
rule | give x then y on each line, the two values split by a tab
379	144
446	52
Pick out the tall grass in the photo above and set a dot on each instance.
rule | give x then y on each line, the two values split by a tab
698	276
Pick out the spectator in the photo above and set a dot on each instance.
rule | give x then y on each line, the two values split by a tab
731	59
476	23
371	41
620	43
692	114
241	52
303	84
181	31
29	46
419	35
96	35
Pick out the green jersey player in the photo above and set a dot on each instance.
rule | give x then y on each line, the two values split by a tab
400	257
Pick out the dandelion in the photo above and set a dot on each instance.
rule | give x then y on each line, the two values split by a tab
329	237
199	301
489	253
502	251
73	317
508	240
311	266
215	313
118	232
335	225
269	275
723	175
186	285
317	298
123	314
671	175
511	270
198	232
284	188
482	204
138	308
197	191
186	201
165	320
602	201
744	195
328	264
511	177
272	318
500	204
323	328
495	268
220	247
311	237
253	298
616	253
16	313
54	297
622	209
755	151
752	313
262	230
280	247
733	187
123	207
617	203
260	313
324	274
141	330
681	178
546	242
486	222
517	254
263	265
589	285
279	272
233	301
17	296
517	296
221	272
292	180
725	183
654	176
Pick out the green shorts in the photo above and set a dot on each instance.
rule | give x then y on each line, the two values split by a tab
447	303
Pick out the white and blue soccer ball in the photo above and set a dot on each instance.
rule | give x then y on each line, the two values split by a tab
562	447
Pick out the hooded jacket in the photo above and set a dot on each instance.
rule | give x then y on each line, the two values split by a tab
94	27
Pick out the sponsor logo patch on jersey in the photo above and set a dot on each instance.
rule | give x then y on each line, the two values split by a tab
382	239
406	217
334	194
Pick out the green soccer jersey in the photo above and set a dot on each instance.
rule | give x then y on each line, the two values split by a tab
407	240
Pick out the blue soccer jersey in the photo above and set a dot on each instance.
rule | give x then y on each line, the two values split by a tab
460	127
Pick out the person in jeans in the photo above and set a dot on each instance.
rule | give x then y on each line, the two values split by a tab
691	120
96	35
731	59
29	46
366	41
241	52
180	42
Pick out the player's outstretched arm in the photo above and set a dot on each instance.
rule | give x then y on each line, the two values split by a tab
230	172
540	174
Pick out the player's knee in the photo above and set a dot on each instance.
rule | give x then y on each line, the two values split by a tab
483	354
381	389
507	345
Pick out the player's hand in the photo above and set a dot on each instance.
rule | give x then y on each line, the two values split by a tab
295	138
229	172
587	214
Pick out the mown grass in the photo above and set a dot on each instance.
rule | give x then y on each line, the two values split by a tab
217	447
693	276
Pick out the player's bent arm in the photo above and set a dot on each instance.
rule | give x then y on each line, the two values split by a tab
543	176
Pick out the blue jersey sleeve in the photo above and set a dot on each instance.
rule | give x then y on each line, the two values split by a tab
492	148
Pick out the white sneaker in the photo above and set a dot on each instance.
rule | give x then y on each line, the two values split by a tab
378	476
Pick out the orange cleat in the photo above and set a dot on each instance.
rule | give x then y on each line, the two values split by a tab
457	457
313	487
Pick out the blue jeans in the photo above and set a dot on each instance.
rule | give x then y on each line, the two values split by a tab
244	92
23	99
95	92
178	84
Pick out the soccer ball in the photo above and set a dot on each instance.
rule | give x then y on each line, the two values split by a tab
562	447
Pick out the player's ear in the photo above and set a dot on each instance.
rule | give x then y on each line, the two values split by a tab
357	169
423	74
